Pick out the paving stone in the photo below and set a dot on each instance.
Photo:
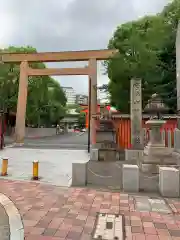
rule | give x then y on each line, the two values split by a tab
142	204
49	232
159	205
174	233
160	225
151	204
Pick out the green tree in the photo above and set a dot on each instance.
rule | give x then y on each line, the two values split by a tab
82	120
46	100
147	51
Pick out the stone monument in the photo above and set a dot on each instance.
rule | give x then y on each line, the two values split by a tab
136	114
135	154
155	153
106	137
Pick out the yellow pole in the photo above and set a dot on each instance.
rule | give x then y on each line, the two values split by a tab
4	166
35	170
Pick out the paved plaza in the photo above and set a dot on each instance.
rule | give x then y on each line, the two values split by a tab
55	166
49	209
72	140
54	213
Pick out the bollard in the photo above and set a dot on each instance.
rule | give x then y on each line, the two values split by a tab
35	170
4	167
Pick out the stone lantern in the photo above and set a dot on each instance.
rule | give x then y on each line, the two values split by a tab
156	107
106	137
155	153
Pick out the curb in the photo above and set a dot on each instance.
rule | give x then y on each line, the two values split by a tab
15	221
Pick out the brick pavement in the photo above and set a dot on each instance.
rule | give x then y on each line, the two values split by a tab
54	213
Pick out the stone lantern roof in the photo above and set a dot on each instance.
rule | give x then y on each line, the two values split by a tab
156	105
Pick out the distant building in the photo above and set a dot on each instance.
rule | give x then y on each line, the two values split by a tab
70	95
81	99
102	97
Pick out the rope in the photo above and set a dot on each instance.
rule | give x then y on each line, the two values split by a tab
118	166
97	175
150	177
101	176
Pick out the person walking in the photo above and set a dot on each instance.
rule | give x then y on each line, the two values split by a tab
57	129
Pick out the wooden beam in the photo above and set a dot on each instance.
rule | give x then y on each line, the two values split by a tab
58	71
69	56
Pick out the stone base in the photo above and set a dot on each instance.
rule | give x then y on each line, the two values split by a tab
169	182
176	156
79	174
94	154
133	155
177	139
130	178
108	155
155	153
102	135
163	156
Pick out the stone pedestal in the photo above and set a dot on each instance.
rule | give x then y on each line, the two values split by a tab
107	135
169	181
134	156
177	140
106	148
79	174
155	153
94	154
156	143
130	178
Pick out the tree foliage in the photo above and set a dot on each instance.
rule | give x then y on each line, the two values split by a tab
46	100
82	120
146	50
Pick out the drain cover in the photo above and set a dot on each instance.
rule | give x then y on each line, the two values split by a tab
108	227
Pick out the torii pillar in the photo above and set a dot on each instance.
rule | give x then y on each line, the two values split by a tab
21	104
93	97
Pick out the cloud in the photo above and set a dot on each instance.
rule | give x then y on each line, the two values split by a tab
51	25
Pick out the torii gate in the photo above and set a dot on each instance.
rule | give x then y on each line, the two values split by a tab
92	56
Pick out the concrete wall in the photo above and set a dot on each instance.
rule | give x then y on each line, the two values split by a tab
39	132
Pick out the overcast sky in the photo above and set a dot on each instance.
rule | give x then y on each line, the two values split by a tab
62	25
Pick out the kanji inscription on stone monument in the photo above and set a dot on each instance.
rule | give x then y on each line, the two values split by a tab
136	114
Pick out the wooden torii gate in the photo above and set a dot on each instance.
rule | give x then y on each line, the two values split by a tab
92	56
